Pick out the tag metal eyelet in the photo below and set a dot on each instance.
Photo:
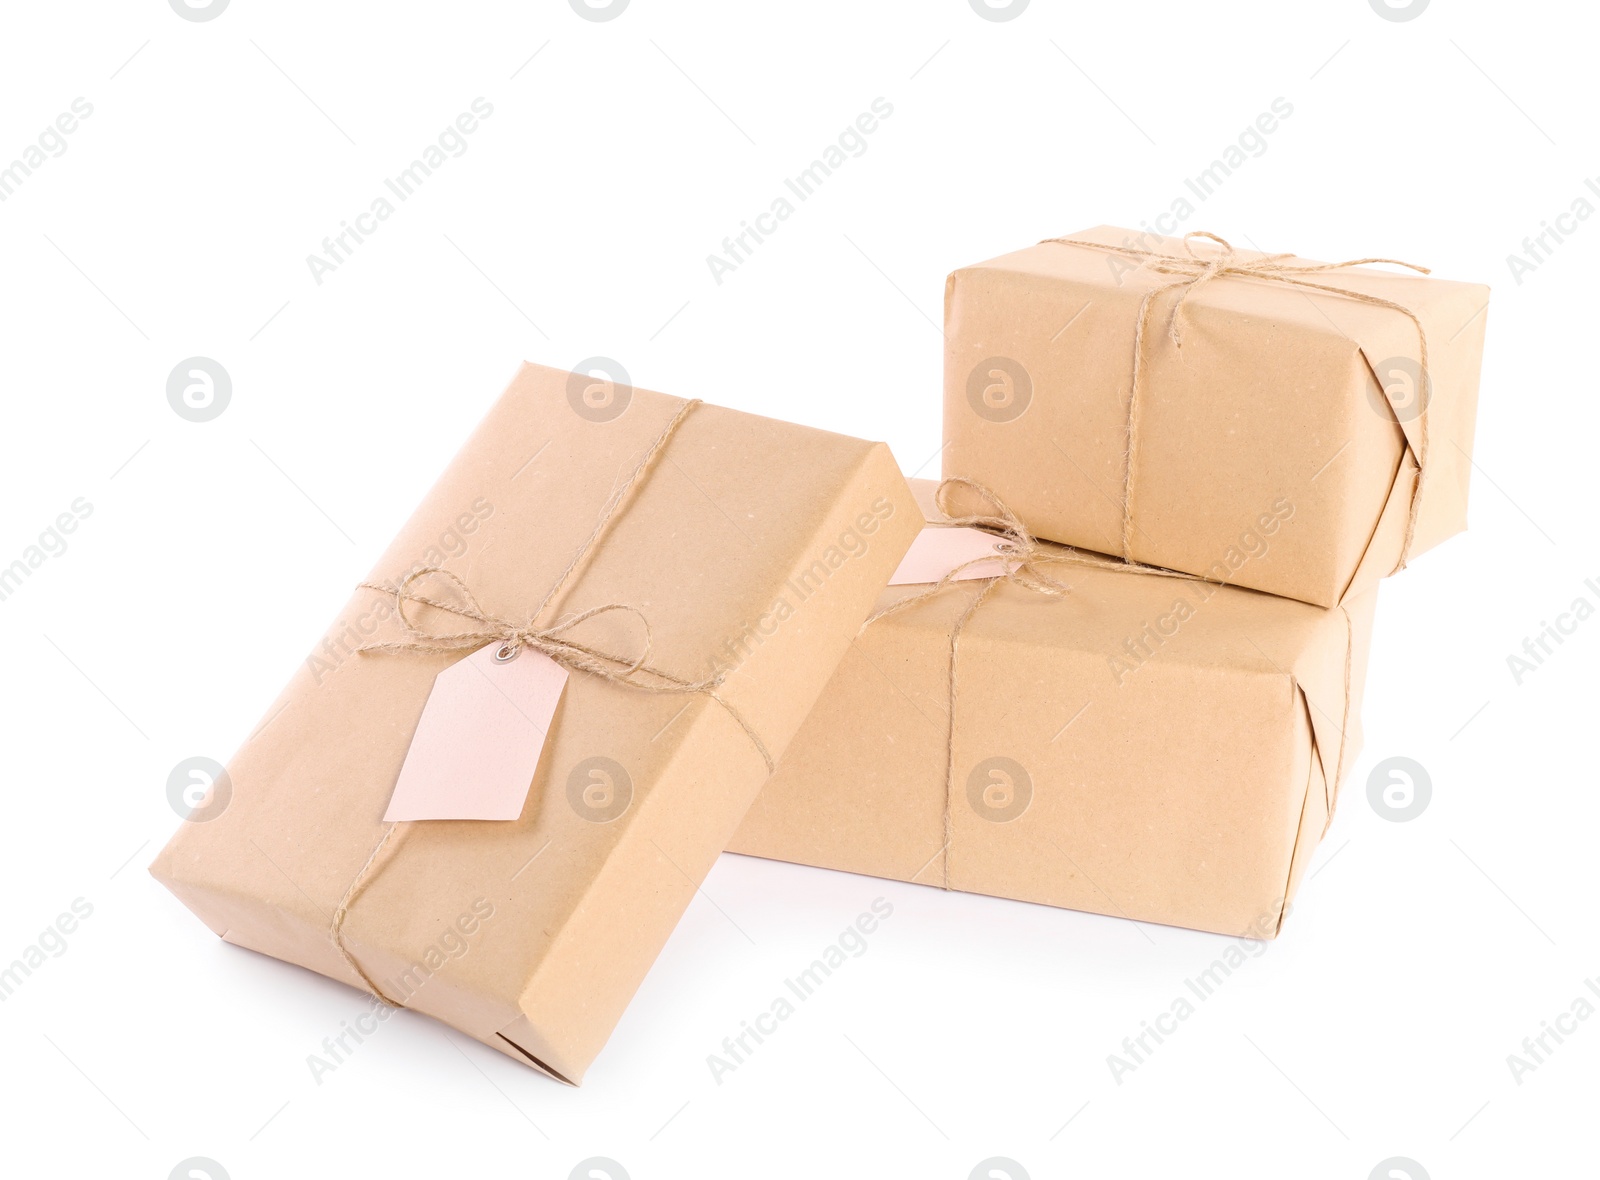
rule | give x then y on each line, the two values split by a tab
507	653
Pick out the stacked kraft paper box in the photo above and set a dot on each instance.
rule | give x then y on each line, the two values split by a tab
1112	662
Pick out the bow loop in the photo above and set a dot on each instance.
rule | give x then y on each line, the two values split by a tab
999	519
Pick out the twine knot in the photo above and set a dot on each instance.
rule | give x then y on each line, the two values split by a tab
1023	557
1017	549
1196	269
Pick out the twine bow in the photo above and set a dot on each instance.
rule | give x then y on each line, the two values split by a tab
551	641
1024	557
1192	271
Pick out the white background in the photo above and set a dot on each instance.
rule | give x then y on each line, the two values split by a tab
177	223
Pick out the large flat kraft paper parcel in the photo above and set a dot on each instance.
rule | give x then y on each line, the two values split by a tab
1148	747
1268	454
749	545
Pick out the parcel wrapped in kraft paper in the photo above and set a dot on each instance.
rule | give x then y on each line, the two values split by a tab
1079	733
678	580
1297	427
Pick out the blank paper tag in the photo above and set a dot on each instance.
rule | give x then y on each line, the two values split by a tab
477	745
936	552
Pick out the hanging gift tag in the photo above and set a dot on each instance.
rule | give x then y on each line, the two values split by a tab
478	742
937	551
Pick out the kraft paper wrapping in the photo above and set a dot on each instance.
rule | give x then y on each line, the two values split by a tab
1272	415
750	544
1147	747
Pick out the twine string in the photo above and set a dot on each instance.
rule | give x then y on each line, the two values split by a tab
1192	271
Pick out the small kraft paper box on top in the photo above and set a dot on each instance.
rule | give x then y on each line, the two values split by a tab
1151	747
717	565
1286	433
